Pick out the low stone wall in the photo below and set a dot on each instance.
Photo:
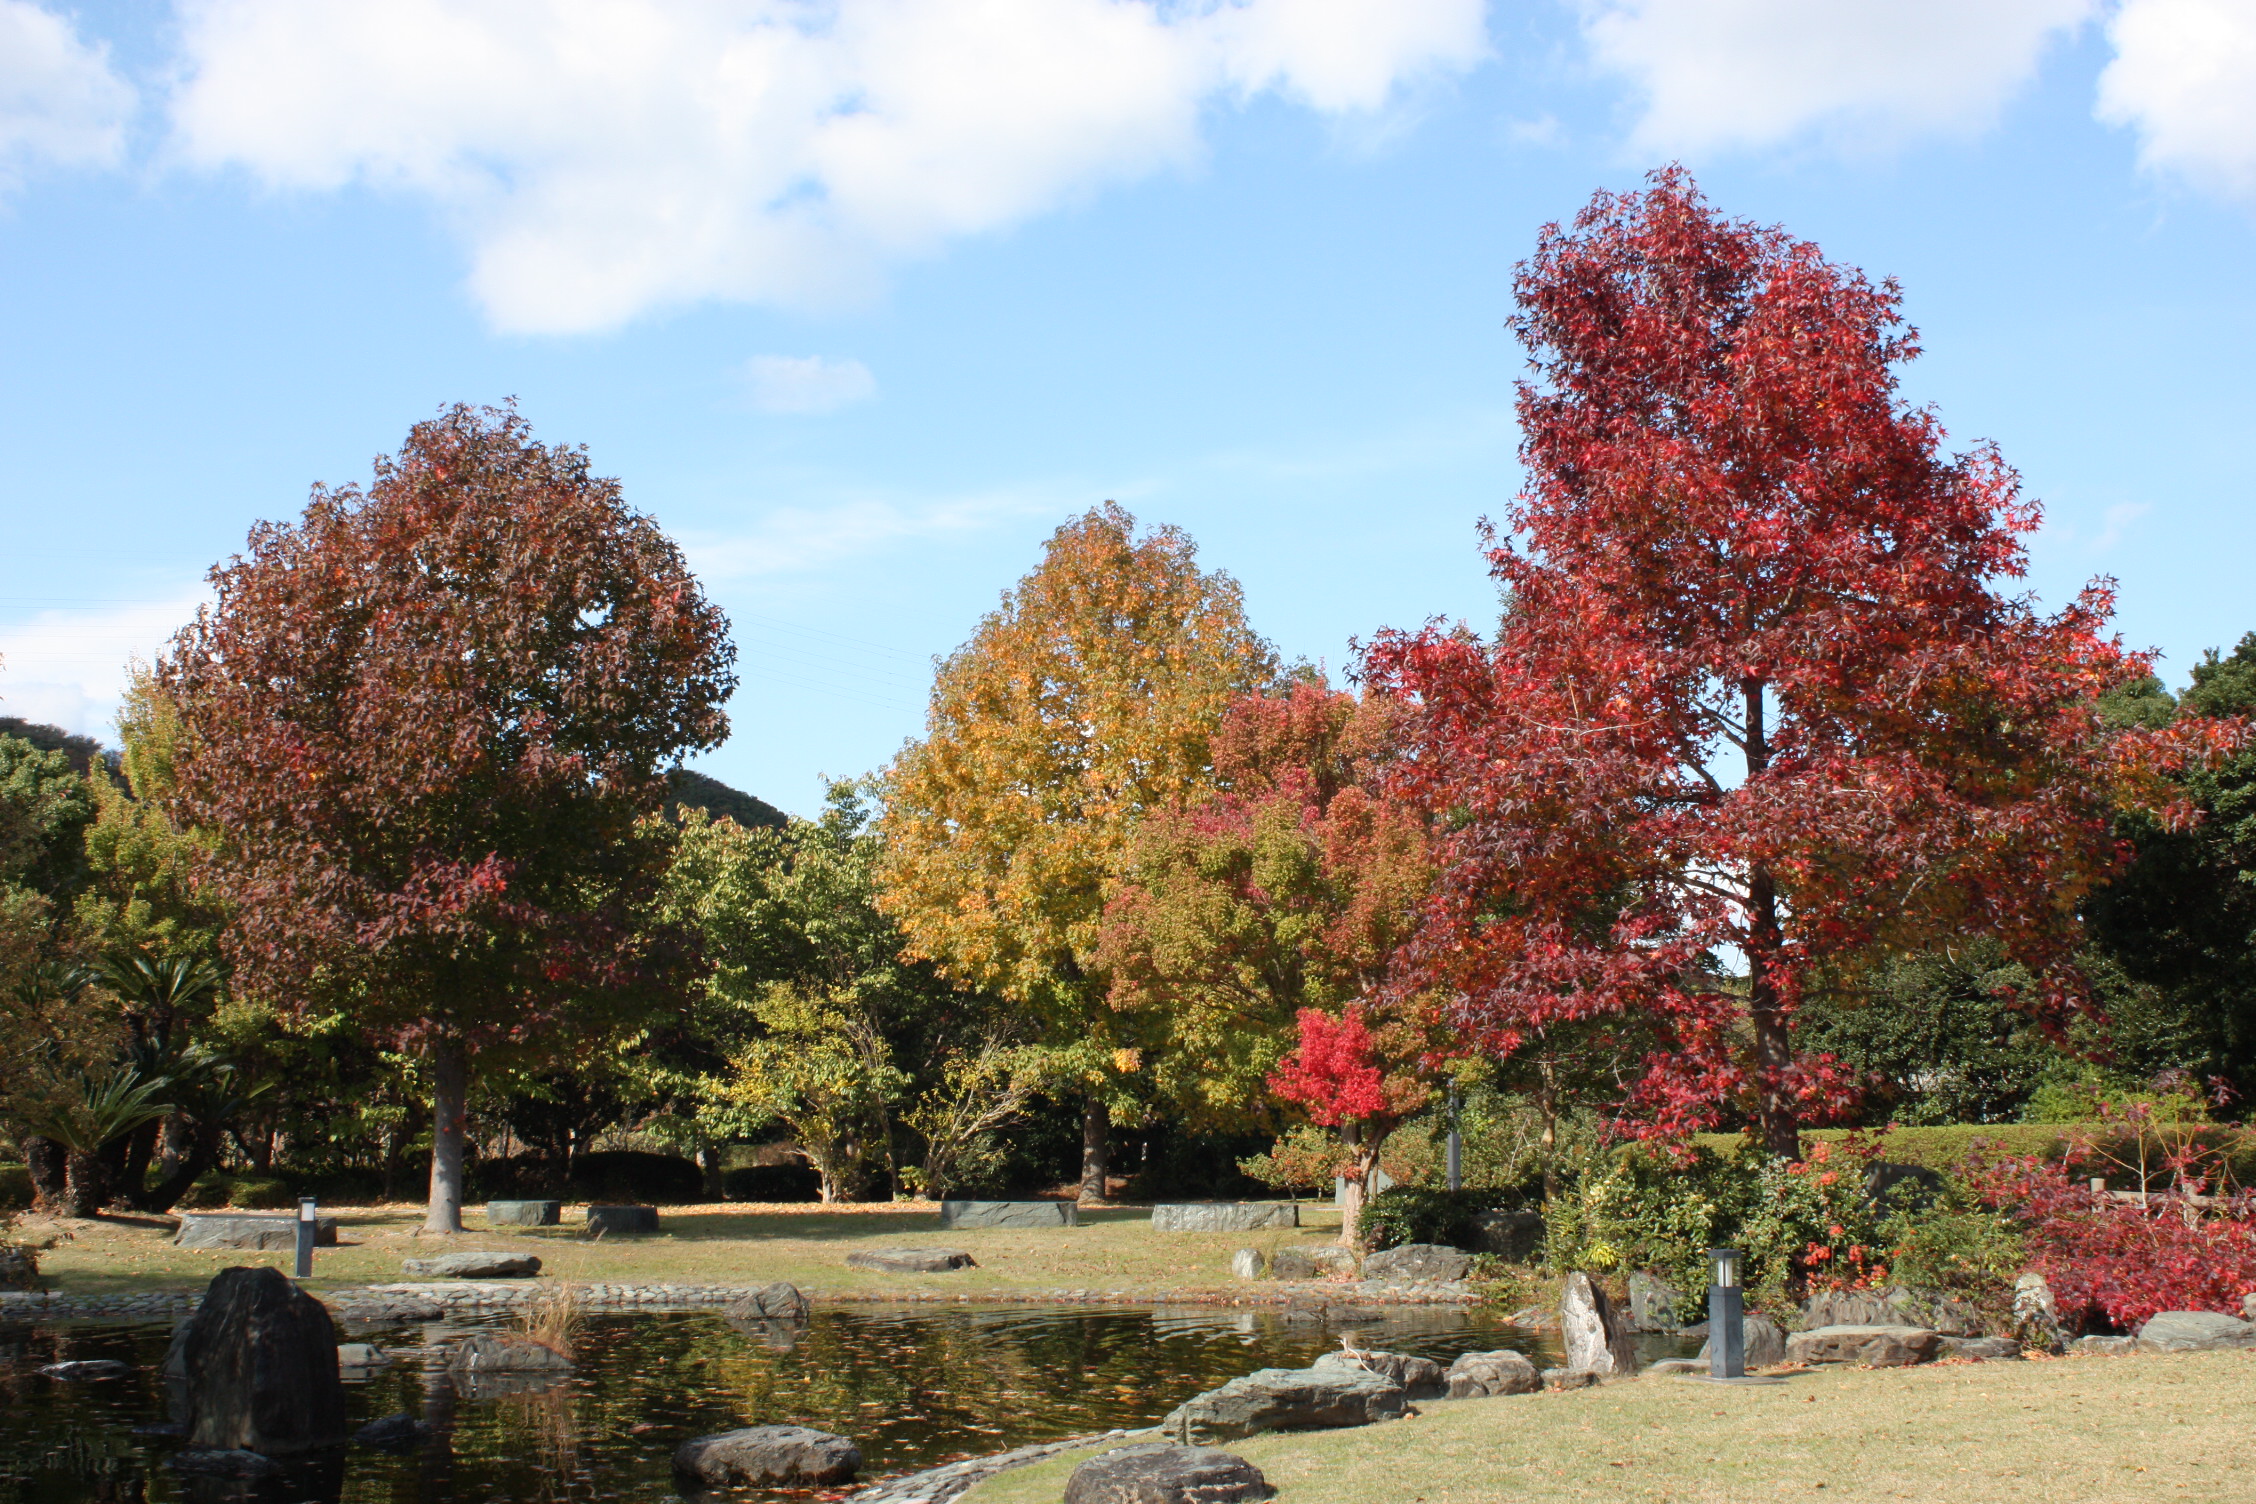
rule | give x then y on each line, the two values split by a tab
1223	1216
1009	1214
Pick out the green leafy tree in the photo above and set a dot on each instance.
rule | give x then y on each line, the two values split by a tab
1085	701
428	720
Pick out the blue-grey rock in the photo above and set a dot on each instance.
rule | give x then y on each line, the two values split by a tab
1417	1263
1223	1216
1420	1378
769	1457
912	1260
1028	1214
2196	1331
524	1213
621	1221
484	1264
1157	1472
1285	1399
269	1234
1503	1371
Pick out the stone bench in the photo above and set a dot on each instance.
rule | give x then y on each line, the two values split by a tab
615	1221
524	1213
272	1234
1009	1214
1223	1216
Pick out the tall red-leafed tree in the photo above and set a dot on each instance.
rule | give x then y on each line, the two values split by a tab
427	722
1756	691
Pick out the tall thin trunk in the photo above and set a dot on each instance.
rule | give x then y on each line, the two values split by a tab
1363	1139
88	1182
1774	1049
449	1113
133	1173
1096	1148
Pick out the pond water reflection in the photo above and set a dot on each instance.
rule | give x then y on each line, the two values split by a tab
913	1385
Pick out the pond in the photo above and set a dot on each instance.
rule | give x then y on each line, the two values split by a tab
914	1386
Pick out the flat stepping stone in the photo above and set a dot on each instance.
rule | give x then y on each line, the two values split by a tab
912	1260
476	1265
621	1221
1873	1346
1009	1214
1162	1473
235	1230
769	1456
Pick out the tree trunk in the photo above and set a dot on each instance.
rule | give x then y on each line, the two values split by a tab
1774	1048
187	1168
1363	1141
88	1182
43	1157
133	1172
1096	1148
450	1095
173	1143
709	1165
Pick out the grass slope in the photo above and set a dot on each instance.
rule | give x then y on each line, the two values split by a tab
2068	1431
1113	1250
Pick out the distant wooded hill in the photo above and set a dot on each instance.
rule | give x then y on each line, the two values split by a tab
717	799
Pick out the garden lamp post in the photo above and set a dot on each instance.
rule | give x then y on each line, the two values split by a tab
306	1225
1456	1146
1727	1328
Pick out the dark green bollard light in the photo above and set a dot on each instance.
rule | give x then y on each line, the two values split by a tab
306	1225
1727	1316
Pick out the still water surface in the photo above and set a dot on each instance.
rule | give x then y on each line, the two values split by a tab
914	1386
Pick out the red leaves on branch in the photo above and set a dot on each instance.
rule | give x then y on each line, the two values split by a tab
1755	691
425	719
1336	1075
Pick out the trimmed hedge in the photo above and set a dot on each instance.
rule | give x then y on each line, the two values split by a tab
772	1183
1943	1148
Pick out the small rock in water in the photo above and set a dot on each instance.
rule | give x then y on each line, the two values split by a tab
1503	1371
486	1352
87	1368
777	1302
1247	1263
161	1430
770	1456
258	1367
361	1355
912	1260
394	1433
489	1265
1160	1473
228	1462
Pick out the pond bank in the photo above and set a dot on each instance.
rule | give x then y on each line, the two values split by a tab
366	1302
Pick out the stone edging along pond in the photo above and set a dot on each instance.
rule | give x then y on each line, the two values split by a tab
369	1302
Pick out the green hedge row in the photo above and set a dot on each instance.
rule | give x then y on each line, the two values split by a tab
1944	1148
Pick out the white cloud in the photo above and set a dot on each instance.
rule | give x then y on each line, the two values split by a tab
2184	76
796	540
790	384
69	667
59	101
1863	73
607	157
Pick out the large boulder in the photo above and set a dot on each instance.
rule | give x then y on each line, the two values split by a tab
1598	1339
769	1457
1474	1375
1158	1472
1514	1235
1420	1378
780	1301
912	1260
240	1230
1285	1399
1653	1303
482	1264
1223	1216
1894	1306
524	1213
2196	1331
1417	1263
1873	1346
1321	1261
259	1368
1009	1214
1762	1343
2036	1319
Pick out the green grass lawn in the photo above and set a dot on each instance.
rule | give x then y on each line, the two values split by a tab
1114	1249
2068	1431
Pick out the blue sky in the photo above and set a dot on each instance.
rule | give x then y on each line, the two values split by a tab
860	299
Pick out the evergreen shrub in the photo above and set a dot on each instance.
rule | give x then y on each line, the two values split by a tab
1419	1214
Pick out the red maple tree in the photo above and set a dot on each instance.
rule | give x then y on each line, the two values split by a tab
1348	1077
1756	693
426	722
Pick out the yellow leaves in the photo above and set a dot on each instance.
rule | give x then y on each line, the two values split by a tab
1127	1062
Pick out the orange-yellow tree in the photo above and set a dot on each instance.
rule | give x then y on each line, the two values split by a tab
1088	698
